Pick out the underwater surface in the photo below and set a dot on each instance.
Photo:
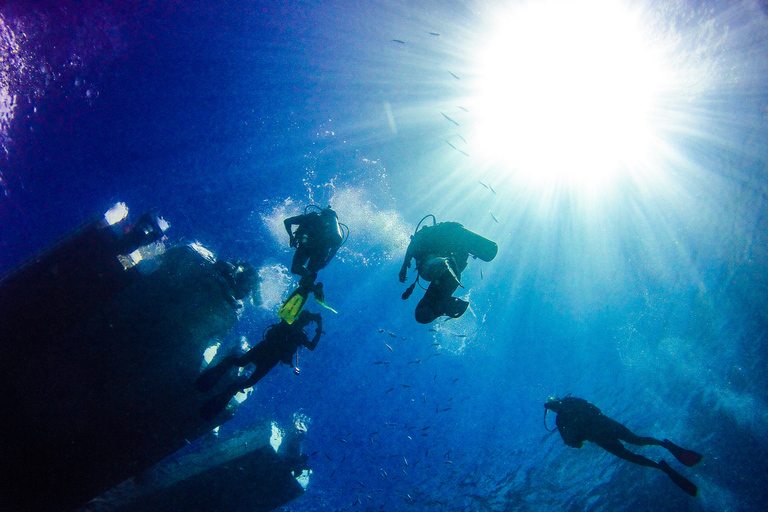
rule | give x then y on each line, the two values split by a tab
614	149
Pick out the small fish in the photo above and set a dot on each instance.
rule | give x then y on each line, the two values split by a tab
404	338
409	438
374	433
327	456
425	428
462	108
434	34
343	440
435	344
390	348
447	409
405	385
462	138
460	335
454	380
398	41
389	424
494	217
381	362
451	120
382	330
415	361
387	391
481	273
361	483
404	472
490	187
454	76
392	334
483	184
432	330
405	460
448	462
333	473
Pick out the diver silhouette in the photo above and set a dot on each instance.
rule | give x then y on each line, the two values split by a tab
579	421
279	344
441	252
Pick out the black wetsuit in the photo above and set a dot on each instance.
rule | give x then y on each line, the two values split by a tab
317	238
579	421
438	247
280	343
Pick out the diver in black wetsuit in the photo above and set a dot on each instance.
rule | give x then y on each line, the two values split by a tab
317	239
441	252
579	421
281	341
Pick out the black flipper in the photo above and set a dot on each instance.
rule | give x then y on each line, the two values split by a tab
212	375
214	406
679	479
686	457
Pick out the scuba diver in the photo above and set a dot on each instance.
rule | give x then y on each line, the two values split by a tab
579	421
441	252
279	343
317	238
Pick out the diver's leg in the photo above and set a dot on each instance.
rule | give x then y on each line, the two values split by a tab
430	306
261	370
615	447
625	434
300	257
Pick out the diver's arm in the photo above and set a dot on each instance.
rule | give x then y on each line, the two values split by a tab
289	223
406	263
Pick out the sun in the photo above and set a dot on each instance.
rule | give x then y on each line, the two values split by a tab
567	91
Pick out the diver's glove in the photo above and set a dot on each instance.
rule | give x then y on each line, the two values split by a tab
293	242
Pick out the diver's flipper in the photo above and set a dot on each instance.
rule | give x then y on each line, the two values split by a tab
294	304
687	457
212	375
455	307
679	479
214	406
325	305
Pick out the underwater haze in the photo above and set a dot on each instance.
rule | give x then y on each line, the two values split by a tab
615	150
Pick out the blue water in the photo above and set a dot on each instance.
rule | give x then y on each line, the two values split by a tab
228	116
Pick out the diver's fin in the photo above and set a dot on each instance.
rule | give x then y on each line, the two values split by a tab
687	457
214	406
455	307
679	479
291	308
320	297
212	375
